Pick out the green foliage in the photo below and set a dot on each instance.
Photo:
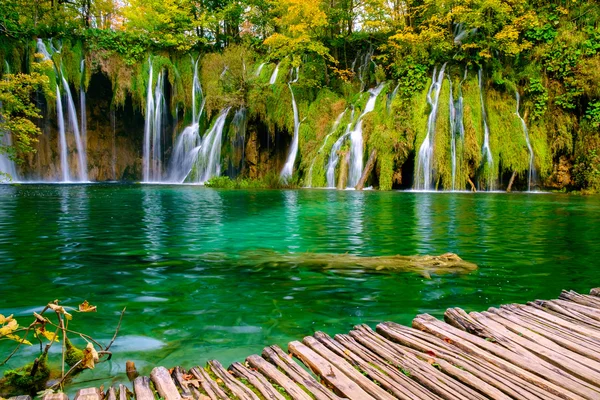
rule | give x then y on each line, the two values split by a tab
539	96
269	181
593	113
586	172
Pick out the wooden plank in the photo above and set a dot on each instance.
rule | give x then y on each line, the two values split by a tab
111	393
284	362
366	384
527	369
575	297
238	389
505	381
124	393
22	397
164	384
334	377
420	370
273	374
257	380
554	338
141	388
526	344
55	396
552	318
89	394
183	384
574	315
397	384
595	292
212	388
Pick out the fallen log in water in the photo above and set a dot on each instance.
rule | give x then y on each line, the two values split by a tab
424	265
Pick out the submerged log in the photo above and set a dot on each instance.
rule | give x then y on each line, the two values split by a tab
367	171
424	265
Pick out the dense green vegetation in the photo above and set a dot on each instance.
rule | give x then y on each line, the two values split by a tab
547	50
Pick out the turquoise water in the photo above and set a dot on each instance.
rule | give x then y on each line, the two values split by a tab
145	248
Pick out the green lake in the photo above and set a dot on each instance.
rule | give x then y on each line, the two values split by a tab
168	253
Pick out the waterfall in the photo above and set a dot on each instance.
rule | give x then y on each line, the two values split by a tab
452	109
156	109
208	154
457	126
74	122
196	91
238	141
259	69
64	162
485	151
334	156
288	168
356	139
331	132
424	172
113	162
392	96
274	75
531	173
363	68
82	110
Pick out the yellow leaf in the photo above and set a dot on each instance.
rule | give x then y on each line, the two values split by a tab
86	307
90	357
9	328
51	336
19	339
4	320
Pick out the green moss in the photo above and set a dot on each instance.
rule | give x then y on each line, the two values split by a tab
21	380
442	157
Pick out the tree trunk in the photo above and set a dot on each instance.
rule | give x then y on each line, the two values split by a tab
367	170
512	180
344	172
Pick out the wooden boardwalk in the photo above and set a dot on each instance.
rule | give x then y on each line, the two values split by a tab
542	350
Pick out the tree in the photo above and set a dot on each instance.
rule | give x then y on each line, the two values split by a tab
18	110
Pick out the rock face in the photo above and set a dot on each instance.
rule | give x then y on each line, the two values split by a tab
114	140
561	174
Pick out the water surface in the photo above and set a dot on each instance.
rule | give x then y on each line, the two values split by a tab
143	247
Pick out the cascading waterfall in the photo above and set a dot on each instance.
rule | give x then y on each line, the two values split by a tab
156	109
259	69
187	145
74	122
486	152
288	168
274	75
356	139
331	132
334	156
82	110
457	126
424	171
452	109
208	154
531	173
392	96
363	68
238	141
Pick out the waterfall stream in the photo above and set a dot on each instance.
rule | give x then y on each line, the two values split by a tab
334	128
488	160
356	139
531	172
424	170
288	168
8	170
274	75
156	110
334	156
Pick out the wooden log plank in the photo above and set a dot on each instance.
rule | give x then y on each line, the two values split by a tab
402	388
55	396
111	393
367	170
589	301
568	314
164	384
366	384
334	377
89	394
212	388
124	393
505	359
509	383
183	384
22	397
257	380
273	374
238	389
595	292
591	312
420	370
576	376
553	318
551	338
413	389
523	342
283	361
141	388
546	327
